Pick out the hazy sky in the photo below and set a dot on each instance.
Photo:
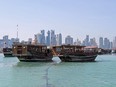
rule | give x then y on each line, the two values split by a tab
69	17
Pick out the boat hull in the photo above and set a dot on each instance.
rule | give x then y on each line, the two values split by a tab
7	52
78	58
23	59
8	55
34	58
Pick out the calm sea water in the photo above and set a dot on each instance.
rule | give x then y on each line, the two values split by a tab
101	73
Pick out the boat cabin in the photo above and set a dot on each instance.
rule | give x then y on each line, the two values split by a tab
73	49
24	49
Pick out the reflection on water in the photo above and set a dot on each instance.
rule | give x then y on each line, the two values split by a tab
32	64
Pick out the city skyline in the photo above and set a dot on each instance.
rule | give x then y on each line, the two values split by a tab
52	39
77	18
63	38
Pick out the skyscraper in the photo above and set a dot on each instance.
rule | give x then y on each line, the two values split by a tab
42	37
48	38
106	43
93	42
111	45
114	43
59	39
53	38
38	38
87	40
101	42
69	40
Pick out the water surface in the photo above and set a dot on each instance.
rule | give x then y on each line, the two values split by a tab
101	73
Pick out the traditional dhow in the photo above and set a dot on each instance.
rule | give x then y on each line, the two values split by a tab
7	52
75	53
104	51
32	53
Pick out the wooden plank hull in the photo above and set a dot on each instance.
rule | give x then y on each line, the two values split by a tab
71	58
34	59
8	55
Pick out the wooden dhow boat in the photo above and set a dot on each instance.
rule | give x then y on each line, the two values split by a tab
75	53
32	52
